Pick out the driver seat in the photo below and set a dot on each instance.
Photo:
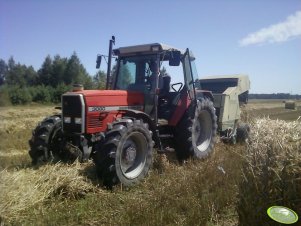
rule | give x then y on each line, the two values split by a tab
164	102
165	85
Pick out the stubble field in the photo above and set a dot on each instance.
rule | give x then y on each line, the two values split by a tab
204	192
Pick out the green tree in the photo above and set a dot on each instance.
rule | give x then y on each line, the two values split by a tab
73	71
11	63
45	73
3	71
30	76
59	66
15	74
76	73
99	80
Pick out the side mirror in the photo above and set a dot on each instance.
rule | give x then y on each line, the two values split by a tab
174	58
98	61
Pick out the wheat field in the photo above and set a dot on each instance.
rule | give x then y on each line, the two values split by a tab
209	192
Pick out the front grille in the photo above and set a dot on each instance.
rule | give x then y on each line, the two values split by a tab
94	122
72	106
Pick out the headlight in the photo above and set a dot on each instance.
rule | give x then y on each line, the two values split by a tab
78	120
67	119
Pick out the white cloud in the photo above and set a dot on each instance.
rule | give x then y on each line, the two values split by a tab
281	32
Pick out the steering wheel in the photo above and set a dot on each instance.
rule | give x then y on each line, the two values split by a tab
175	84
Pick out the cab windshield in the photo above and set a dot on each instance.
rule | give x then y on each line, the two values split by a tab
134	72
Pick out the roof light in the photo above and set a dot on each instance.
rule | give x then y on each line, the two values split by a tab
155	48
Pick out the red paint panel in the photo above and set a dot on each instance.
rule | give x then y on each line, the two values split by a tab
112	97
182	106
97	121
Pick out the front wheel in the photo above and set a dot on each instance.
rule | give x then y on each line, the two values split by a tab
46	140
196	133
126	154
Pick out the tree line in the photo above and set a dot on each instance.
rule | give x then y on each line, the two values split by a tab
21	84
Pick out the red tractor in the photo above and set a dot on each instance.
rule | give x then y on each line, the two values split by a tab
140	110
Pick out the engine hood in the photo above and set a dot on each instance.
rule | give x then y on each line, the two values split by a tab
100	98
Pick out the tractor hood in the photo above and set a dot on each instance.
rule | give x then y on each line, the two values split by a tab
119	99
95	109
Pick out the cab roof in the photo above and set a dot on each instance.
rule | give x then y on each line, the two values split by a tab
144	49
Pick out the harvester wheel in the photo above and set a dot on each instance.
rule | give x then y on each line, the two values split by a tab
196	132
126	154
46	139
243	131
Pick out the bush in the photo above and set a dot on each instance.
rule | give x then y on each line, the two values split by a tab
58	91
41	94
272	171
19	95
4	96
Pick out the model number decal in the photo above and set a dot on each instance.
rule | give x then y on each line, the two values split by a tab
98	108
114	108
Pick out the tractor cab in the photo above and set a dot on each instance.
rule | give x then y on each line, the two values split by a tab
143	68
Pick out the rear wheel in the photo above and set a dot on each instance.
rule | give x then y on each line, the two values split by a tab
196	133
46	140
126	154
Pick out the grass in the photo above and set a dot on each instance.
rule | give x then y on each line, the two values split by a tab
271	171
171	195
274	109
196	193
15	130
22	189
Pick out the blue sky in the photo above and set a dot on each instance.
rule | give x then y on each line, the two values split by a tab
259	38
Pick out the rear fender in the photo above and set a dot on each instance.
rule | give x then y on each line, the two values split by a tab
182	106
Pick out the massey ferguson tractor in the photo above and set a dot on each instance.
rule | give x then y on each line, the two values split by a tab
140	110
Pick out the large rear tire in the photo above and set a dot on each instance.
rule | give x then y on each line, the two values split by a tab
126	155
196	132
46	139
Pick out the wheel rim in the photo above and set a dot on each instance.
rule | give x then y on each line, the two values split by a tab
202	131
133	155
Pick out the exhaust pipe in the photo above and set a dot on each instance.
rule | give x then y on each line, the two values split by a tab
112	42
